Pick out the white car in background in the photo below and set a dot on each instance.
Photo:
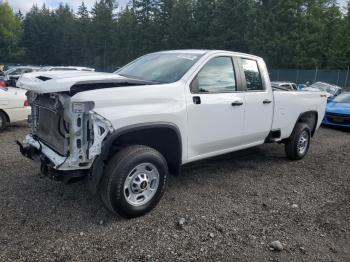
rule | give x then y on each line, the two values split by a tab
14	106
11	76
67	68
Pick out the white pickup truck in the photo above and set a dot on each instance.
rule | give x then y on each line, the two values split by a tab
125	132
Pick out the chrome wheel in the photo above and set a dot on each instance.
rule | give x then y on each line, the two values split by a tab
303	142
141	184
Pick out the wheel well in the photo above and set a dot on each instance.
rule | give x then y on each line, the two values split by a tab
309	118
6	115
163	139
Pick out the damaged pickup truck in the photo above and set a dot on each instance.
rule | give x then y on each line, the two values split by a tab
125	132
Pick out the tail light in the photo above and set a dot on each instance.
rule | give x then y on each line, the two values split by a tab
3	84
26	103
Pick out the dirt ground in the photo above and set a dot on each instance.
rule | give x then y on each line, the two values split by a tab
232	206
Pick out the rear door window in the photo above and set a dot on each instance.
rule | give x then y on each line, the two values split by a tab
252	75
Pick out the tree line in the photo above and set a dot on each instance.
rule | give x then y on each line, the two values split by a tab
287	34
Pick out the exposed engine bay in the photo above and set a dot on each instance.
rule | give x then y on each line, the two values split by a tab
68	135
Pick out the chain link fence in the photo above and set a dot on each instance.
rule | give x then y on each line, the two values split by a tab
336	77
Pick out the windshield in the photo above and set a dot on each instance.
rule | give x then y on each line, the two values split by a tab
325	87
160	67
342	98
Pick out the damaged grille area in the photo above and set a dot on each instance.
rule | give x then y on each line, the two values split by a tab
68	134
52	130
48	124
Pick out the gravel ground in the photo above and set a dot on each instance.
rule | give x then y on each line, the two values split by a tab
231	208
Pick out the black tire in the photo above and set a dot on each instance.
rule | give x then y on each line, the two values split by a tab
119	168
295	148
3	121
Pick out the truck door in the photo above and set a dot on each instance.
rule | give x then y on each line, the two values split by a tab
215	108
259	101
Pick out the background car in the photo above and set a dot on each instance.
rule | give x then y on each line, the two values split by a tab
284	85
332	90
3	83
12	75
66	68
338	111
13	106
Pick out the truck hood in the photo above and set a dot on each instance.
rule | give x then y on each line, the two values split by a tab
66	81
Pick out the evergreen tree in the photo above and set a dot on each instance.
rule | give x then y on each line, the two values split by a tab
63	35
288	34
83	35
10	34
233	20
102	27
38	36
181	26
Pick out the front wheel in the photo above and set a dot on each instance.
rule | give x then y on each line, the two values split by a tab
3	121
298	144
134	181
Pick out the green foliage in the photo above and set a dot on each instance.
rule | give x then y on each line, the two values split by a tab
288	34
10	34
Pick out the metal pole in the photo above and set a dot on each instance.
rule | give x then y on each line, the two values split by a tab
297	80
346	78
104	56
338	77
316	75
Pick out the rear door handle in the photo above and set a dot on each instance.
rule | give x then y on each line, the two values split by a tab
237	103
267	101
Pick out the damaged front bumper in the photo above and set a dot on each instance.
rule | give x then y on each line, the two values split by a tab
82	151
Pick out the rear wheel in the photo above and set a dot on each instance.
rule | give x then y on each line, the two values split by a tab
3	121
298	144
134	181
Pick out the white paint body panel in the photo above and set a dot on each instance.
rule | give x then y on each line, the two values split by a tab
12	103
290	104
209	129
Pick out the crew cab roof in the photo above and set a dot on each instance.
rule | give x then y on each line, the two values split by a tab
208	51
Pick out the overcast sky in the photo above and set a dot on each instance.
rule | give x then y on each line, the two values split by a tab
25	5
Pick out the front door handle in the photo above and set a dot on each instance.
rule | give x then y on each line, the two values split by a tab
237	103
267	101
